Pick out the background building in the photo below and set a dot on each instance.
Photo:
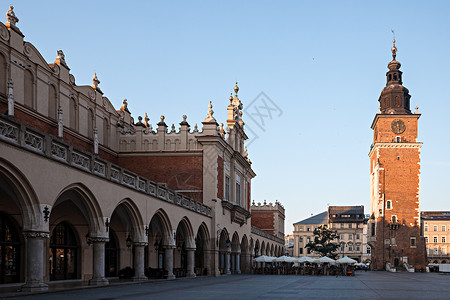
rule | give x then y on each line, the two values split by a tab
436	230
304	233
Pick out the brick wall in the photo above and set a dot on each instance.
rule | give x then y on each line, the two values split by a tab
264	221
183	173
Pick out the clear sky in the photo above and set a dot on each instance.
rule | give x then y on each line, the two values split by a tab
322	63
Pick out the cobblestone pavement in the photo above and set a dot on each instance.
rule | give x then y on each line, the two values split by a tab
365	285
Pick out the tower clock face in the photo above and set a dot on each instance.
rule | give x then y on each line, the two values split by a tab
398	126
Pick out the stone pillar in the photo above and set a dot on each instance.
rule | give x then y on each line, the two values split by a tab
190	262
238	263
60	122
139	268
233	264
35	261
10	98
168	261
95	140
227	263
98	263
222	260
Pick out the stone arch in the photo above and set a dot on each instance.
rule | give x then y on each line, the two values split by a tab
245	257
162	222
263	248
15	184
272	253
132	216
86	202
201	248
257	249
235	244
186	228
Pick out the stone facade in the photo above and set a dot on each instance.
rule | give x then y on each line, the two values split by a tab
394	229
436	230
269	217
85	191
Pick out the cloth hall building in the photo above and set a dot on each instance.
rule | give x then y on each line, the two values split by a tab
85	191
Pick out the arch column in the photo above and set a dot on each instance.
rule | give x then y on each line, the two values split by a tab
238	263
35	261
98	264
168	261
139	268
227	262
190	262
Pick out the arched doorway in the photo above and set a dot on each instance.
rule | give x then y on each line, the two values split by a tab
160	256
201	245
112	255
9	251
63	253
224	252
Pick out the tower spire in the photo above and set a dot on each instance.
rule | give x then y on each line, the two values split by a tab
394	48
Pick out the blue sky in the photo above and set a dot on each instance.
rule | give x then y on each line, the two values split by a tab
322	63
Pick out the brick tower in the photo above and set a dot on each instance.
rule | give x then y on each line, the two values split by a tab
394	225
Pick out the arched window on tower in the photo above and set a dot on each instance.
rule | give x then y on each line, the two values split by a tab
73	113
105	132
28	88
3	79
52	102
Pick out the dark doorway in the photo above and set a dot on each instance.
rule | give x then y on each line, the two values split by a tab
112	254
63	253
9	251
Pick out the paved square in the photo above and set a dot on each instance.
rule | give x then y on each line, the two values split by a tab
365	285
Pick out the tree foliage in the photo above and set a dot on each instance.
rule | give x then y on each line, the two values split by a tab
323	242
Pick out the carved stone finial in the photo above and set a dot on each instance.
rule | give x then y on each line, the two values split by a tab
210	117
173	128
417	110
222	132
184	118
231	98
379	109
236	89
265	202
146	119
253	203
162	118
96	82
195	127
124	105
62	58
245	152
11	16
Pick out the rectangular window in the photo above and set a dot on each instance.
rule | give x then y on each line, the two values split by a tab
300	228
350	225
341	237
227	188
342	247
443	250
301	239
372	231
426	239
357	236
435	239
342	225
358	248
443	228
238	193
350	236
368	250
443	239
308	251
300	251
350	248
426	227
308	229
435	228
412	242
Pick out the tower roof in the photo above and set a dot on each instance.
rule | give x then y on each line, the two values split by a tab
394	98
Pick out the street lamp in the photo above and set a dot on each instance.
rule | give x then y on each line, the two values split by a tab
128	241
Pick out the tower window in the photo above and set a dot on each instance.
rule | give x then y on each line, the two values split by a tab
412	242
398	139
394	219
395	76
389	204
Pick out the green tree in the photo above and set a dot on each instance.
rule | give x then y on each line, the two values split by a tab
323	242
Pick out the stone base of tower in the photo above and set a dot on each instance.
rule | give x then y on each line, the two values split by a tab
397	244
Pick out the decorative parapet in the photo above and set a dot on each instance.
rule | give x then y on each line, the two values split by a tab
262	233
29	139
238	214
268	207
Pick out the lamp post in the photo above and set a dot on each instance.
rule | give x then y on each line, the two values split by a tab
128	243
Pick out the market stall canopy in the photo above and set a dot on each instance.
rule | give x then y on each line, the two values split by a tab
305	259
346	260
325	259
285	259
264	258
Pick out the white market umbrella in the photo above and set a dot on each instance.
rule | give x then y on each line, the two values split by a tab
264	258
305	259
325	259
346	260
285	259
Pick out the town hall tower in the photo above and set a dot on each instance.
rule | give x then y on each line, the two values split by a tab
394	232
